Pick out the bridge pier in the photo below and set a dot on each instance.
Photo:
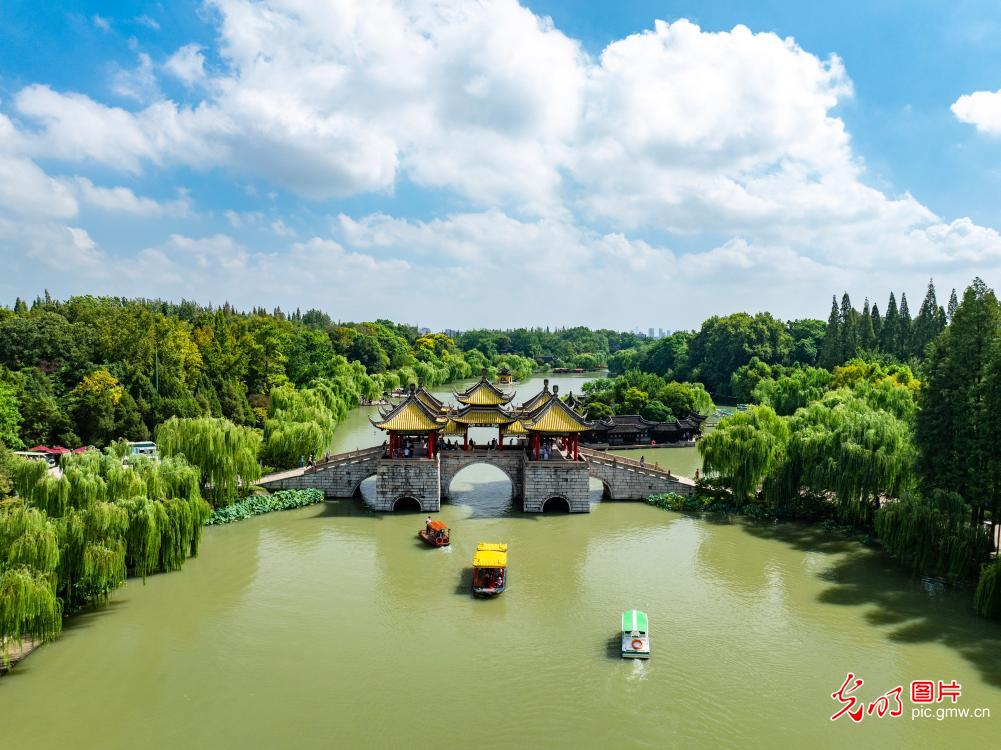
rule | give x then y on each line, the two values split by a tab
545	480
400	478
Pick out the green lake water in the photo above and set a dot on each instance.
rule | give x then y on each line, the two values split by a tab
332	627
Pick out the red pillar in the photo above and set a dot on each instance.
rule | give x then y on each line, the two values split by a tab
538	442
500	438
465	439
576	447
431	445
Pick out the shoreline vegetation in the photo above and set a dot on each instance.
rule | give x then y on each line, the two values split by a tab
881	423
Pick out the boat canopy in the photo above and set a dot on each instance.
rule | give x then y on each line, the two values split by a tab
437	526
490	556
634	620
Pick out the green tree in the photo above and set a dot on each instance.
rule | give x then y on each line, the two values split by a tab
905	330
849	326
866	332
743	449
10	417
226	454
928	324
830	348
843	446
890	335
724	344
957	423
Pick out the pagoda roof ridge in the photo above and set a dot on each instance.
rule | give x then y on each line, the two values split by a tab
411	415
555	416
483	392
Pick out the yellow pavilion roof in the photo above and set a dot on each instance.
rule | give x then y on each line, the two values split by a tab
411	416
429	400
483	393
538	399
515	428
490	556
453	428
555	417
482	416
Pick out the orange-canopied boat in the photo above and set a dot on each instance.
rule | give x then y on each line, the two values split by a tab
436	534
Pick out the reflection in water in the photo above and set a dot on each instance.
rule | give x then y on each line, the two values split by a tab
335	627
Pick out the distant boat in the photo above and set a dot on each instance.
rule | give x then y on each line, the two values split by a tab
635	635
490	569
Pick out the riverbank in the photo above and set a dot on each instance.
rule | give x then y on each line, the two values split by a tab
9	660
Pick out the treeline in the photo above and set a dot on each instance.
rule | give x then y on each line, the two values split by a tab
90	370
577	347
723	345
916	463
851	333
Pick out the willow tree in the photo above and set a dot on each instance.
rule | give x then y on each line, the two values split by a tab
932	535
29	556
29	607
844	447
300	423
225	453
744	448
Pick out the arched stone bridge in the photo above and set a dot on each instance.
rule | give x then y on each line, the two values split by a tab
534	482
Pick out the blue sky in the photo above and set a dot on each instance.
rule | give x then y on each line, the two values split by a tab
458	164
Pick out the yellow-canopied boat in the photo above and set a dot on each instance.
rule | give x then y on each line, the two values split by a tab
489	569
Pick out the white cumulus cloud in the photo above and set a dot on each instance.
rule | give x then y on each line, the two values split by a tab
981	109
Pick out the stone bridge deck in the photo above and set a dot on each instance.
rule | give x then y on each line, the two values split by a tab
535	483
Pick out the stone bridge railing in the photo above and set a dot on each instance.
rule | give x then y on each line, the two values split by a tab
628	479
338	476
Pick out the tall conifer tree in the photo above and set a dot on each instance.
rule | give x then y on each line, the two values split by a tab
866	334
830	348
848	319
888	335
904	329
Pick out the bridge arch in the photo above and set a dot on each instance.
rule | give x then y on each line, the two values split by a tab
480	462
556	504
407	503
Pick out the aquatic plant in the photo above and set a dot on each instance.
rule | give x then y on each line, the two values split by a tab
258	504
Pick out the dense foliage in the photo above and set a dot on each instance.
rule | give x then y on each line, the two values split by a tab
643	393
68	541
863	440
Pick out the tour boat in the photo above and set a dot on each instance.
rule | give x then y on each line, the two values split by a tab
635	638
489	569
436	534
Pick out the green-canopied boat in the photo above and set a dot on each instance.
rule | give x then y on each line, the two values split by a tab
635	635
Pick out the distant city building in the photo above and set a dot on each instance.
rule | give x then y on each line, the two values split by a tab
423	331
651	332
